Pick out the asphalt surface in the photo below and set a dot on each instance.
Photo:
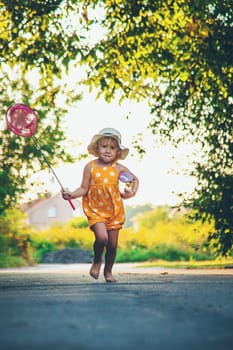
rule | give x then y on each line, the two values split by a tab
61	307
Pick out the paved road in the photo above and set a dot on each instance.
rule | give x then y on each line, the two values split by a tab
62	308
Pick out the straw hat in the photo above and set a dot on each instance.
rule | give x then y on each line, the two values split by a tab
107	132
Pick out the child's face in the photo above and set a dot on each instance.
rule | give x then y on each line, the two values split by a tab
108	149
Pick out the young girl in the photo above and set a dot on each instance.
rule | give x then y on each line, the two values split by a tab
101	197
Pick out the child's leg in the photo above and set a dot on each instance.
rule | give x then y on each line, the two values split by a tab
111	250
101	240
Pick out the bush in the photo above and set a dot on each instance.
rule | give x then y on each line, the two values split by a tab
161	252
64	236
11	261
42	248
15	241
78	222
4	243
72	244
158	237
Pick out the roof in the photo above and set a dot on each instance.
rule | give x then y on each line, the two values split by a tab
38	203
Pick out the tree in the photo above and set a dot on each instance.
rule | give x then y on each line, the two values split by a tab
15	243
37	45
178	55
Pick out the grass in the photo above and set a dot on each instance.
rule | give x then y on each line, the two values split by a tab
207	264
161	253
11	261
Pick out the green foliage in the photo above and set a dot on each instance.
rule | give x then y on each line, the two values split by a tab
15	239
131	212
75	233
217	202
149	220
35	33
164	233
11	261
36	47
160	252
72	244
79	222
42	248
178	56
158	236
165	238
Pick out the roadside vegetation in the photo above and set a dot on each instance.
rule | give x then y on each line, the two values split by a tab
160	236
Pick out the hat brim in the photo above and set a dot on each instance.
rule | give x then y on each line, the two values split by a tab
124	151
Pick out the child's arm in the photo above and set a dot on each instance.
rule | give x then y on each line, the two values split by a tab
134	184
131	190
84	187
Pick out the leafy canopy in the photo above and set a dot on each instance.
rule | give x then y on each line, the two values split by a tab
178	56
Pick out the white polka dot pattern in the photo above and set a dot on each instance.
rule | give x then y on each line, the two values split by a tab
103	202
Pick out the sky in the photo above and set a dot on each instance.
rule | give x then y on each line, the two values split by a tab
158	184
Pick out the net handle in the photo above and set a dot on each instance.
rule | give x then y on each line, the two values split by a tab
50	167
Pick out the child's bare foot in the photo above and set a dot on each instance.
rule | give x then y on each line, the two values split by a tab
95	270
109	277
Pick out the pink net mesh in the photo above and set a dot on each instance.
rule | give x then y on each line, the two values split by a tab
21	120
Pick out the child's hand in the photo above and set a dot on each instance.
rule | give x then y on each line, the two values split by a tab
128	193
66	195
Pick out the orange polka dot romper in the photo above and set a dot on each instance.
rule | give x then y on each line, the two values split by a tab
103	202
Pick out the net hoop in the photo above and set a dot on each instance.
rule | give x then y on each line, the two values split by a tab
22	120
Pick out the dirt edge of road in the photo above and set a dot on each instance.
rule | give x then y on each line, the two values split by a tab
129	268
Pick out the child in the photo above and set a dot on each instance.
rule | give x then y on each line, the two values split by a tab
102	199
